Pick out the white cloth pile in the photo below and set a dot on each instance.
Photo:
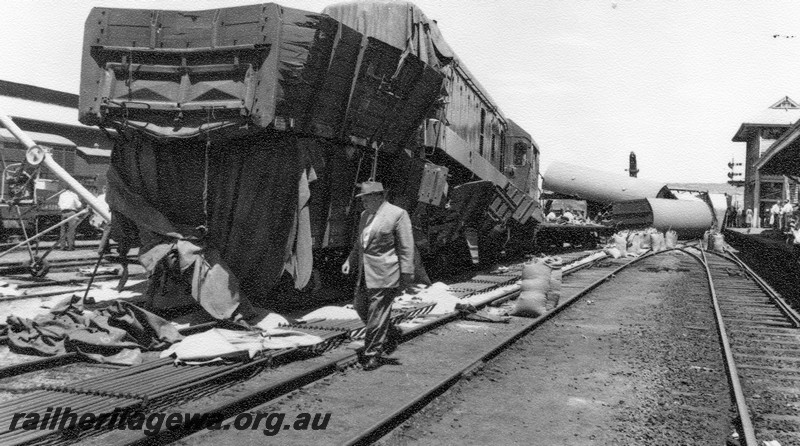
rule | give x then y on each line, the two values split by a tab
332	312
219	344
438	293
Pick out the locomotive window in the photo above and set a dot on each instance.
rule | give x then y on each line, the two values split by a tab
520	150
480	141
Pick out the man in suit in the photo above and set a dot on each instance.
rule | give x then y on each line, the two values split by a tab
384	251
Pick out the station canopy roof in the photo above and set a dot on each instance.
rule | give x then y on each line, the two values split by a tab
46	139
783	156
40	111
781	114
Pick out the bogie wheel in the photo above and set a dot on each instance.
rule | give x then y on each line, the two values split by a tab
39	267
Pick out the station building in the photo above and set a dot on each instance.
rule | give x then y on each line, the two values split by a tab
763	135
50	118
783	158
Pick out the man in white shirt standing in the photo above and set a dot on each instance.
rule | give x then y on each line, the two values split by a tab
69	204
775	215
787	210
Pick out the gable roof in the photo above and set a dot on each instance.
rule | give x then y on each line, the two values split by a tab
781	114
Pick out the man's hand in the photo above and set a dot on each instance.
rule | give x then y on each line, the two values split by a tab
346	267
406	281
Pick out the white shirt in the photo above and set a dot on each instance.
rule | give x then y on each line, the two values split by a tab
69	201
787	208
367	230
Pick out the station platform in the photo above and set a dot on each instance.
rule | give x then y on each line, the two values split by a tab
771	255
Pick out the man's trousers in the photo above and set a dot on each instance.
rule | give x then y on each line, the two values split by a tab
374	307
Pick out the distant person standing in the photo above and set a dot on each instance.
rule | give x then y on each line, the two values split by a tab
730	217
748	220
774	215
68	203
384	253
786	212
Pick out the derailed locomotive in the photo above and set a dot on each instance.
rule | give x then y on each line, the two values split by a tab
244	131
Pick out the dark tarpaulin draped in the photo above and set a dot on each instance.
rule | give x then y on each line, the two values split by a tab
252	198
115	334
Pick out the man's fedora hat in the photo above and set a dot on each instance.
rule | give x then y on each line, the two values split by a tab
370	187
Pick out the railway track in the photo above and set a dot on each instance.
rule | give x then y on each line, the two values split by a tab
759	332
288	377
773	414
764	342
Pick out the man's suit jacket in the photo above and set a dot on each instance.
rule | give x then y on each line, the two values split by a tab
389	247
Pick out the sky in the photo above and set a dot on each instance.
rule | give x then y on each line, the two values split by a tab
591	80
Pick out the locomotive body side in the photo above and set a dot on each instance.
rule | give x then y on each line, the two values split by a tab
253	138
466	133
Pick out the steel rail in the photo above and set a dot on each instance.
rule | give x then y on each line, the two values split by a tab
730	364
74	280
782	305
394	419
65	358
174	384
38	364
286	385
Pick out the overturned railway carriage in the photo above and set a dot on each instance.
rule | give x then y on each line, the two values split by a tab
243	132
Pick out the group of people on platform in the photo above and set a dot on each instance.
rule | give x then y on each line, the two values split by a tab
779	217
783	218
781	214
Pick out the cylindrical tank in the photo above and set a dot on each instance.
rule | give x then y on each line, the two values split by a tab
599	186
688	218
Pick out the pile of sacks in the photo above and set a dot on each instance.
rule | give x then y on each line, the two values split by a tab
540	287
713	240
636	243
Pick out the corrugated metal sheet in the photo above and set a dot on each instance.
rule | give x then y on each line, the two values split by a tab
596	185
